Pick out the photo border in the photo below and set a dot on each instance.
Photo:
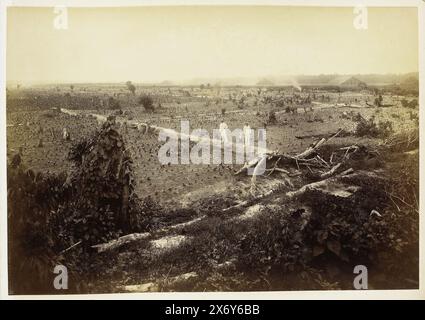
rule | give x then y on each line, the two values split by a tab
252	295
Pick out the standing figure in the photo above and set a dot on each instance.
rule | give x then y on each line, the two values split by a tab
247	135
65	134
224	132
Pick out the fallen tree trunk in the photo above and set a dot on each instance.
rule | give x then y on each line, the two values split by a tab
250	201
120	241
247	165
254	199
310	150
116	243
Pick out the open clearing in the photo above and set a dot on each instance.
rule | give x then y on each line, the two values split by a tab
208	229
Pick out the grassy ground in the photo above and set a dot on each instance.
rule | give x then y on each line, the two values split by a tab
272	244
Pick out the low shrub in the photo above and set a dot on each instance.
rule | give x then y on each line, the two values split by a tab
372	129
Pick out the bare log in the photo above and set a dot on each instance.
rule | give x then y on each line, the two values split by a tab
248	165
144	287
300	159
330	172
312	149
346	172
252	200
151	286
315	185
182	225
116	243
69	248
281	170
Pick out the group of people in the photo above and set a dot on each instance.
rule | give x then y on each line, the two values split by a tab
226	137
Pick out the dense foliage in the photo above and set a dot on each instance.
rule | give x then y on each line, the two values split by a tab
48	213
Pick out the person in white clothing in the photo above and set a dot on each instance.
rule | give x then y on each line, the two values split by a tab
247	135
65	134
224	132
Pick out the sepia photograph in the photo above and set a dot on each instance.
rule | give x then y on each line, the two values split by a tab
211	148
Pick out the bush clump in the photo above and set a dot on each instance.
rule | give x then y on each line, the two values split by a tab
49	214
147	103
370	128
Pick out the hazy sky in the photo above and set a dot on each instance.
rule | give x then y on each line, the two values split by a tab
176	43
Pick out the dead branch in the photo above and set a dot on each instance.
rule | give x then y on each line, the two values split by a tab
302	159
252	200
270	171
257	170
69	248
313	148
310	150
346	172
168	282
247	165
330	172
320	158
315	185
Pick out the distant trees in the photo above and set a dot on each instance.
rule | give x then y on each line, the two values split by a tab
72	87
378	101
147	103
413	103
131	87
271	118
307	100
404	103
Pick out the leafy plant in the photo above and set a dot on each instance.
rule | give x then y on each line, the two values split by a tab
147	103
370	128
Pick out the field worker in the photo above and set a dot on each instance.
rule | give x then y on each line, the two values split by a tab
224	132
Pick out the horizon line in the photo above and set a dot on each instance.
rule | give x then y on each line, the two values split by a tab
197	79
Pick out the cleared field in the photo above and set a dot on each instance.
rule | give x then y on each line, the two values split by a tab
165	183
208	220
